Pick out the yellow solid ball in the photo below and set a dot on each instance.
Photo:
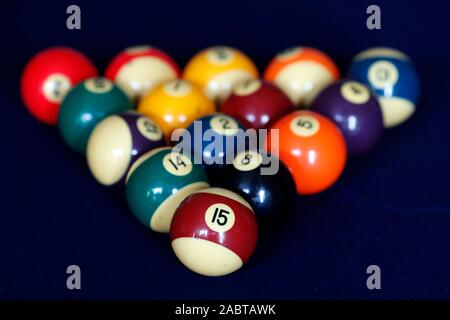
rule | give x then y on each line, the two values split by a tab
218	70
175	104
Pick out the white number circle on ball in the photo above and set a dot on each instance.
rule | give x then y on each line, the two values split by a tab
248	87
224	125
219	217
220	55
305	126
149	129
137	49
289	53
177	164
355	92
56	86
247	161
98	85
177	88
383	73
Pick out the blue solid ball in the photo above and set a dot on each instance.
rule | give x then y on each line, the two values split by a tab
216	139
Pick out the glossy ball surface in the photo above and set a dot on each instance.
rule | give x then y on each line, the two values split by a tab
158	182
214	232
214	139
262	180
313	149
301	72
393	77
116	142
217	70
48	76
356	111
86	105
175	104
257	104
136	70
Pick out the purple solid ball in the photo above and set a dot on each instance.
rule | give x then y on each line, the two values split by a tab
356	111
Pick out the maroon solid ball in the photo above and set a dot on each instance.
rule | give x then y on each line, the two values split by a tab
257	104
356	111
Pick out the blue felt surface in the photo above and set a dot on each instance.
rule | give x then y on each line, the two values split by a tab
390	208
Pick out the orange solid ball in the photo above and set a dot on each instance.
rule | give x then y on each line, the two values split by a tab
175	104
312	147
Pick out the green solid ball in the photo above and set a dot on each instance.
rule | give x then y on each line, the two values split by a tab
86	105
158	182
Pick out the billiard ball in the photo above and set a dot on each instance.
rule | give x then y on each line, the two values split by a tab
48	76
138	69
213	140
262	180
156	184
392	76
87	104
217	70
356	111
257	104
116	142
312	148
214	232
175	104
301	72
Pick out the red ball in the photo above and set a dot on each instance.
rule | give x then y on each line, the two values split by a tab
47	78
257	104
137	70
214	232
